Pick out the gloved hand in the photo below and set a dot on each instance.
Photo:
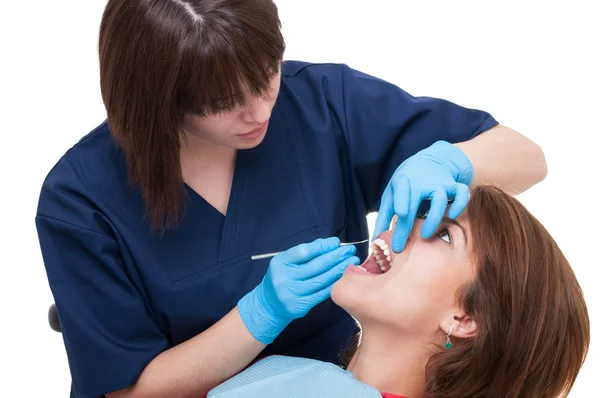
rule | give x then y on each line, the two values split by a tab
440	172
296	281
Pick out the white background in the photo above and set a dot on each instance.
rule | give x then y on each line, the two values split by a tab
534	67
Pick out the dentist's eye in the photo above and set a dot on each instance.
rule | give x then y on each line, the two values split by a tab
444	235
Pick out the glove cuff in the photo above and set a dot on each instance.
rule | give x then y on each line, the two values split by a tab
263	325
456	160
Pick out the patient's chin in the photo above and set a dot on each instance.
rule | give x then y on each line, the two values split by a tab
339	292
347	296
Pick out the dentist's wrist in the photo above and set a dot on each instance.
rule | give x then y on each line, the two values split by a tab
260	321
455	159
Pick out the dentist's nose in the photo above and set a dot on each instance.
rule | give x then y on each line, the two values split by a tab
257	111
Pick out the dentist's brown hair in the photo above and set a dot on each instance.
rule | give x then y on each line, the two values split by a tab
161	60
533	328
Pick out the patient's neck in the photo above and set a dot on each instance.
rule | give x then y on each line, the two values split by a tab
391	362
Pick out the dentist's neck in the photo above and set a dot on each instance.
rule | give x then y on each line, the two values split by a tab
391	362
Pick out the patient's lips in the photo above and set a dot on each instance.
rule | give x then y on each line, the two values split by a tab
381	257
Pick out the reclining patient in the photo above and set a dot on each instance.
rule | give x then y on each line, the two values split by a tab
487	307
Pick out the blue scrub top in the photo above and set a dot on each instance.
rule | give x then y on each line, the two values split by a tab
125	294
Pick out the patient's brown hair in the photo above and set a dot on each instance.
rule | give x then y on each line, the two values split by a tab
533	326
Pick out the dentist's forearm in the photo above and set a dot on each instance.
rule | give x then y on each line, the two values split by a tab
506	158
194	367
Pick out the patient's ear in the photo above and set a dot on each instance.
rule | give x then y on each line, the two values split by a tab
463	326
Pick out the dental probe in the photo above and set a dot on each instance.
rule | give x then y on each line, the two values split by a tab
268	255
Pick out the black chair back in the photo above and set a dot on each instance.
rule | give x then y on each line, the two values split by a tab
53	319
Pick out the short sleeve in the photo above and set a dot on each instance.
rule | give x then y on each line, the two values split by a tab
383	125
108	333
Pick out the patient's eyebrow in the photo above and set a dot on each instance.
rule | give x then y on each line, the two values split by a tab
459	225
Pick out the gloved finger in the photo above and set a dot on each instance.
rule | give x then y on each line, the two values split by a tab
437	211
323	263
321	295
404	225
385	213
319	282
401	193
460	192
305	252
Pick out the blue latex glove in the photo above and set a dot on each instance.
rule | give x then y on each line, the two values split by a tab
296	281
440	172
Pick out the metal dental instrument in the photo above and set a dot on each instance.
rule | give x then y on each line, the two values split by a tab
423	210
269	255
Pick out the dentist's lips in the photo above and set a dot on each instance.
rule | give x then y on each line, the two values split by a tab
257	132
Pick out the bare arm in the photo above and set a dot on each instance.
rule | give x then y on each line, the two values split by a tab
506	158
194	367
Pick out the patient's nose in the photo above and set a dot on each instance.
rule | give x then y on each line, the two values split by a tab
415	234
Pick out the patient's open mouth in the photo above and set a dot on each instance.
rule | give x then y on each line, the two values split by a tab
380	259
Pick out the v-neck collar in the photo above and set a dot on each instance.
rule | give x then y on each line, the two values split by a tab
195	195
231	218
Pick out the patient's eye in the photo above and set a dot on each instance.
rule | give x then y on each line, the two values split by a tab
444	235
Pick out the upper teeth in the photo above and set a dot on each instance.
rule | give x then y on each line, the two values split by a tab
380	243
384	247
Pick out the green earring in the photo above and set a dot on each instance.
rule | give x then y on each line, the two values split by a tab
448	343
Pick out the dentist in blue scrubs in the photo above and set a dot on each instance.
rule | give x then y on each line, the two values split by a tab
215	150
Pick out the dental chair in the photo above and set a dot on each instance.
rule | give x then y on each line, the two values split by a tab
53	318
55	325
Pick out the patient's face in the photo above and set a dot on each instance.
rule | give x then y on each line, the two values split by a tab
418	289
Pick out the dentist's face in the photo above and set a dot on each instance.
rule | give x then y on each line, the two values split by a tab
240	128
